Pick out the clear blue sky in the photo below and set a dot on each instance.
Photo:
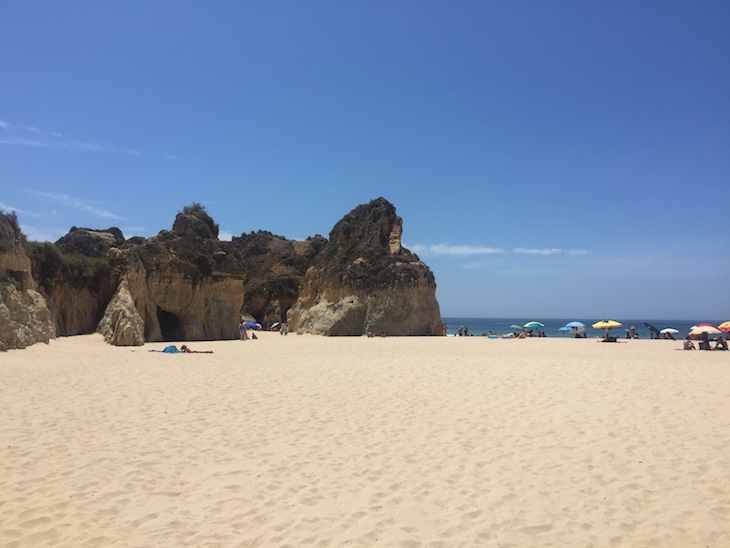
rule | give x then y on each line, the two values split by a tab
549	159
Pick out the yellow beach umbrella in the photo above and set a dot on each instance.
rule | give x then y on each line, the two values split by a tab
724	327
606	324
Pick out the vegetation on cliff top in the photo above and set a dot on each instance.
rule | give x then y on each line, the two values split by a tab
51	266
198	211
11	238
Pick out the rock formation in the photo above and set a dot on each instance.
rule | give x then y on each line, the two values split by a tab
122	325
365	281
24	318
275	269
185	284
90	242
76	285
24	315
183	287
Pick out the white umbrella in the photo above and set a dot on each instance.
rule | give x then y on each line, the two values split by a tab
704	328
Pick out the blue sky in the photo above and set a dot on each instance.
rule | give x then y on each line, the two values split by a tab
549	159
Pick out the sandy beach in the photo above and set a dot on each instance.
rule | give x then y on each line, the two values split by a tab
311	441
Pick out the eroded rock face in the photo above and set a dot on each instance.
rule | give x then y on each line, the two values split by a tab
366	281
183	288
24	317
90	242
189	225
185	284
122	325
275	269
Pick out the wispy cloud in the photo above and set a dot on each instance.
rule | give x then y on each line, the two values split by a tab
455	250
81	205
548	251
31	136
435	250
8	208
36	234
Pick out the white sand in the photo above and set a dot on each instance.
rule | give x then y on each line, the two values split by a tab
309	441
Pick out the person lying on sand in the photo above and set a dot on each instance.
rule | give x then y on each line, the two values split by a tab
187	350
172	349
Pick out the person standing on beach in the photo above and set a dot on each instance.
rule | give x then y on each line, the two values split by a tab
242	332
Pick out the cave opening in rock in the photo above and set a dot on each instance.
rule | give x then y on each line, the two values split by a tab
170	326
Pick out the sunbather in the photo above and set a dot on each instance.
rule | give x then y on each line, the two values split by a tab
720	343
187	350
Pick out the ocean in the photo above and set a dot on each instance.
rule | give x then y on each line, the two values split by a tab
482	326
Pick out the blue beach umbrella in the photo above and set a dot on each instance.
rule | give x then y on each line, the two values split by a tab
575	324
533	324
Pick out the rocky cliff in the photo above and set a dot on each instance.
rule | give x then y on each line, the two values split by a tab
24	315
183	287
364	281
185	284
275	269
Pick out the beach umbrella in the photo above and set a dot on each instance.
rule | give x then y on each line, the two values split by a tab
575	324
513	326
654	330
274	324
724	327
564	328
704	328
669	330
252	325
606	324
534	324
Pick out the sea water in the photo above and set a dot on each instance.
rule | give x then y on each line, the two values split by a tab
482	326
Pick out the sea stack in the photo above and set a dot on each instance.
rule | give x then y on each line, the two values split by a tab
365	281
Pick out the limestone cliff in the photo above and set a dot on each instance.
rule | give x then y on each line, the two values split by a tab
77	283
364	281
275	269
90	242
183	287
185	284
24	315
122	325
